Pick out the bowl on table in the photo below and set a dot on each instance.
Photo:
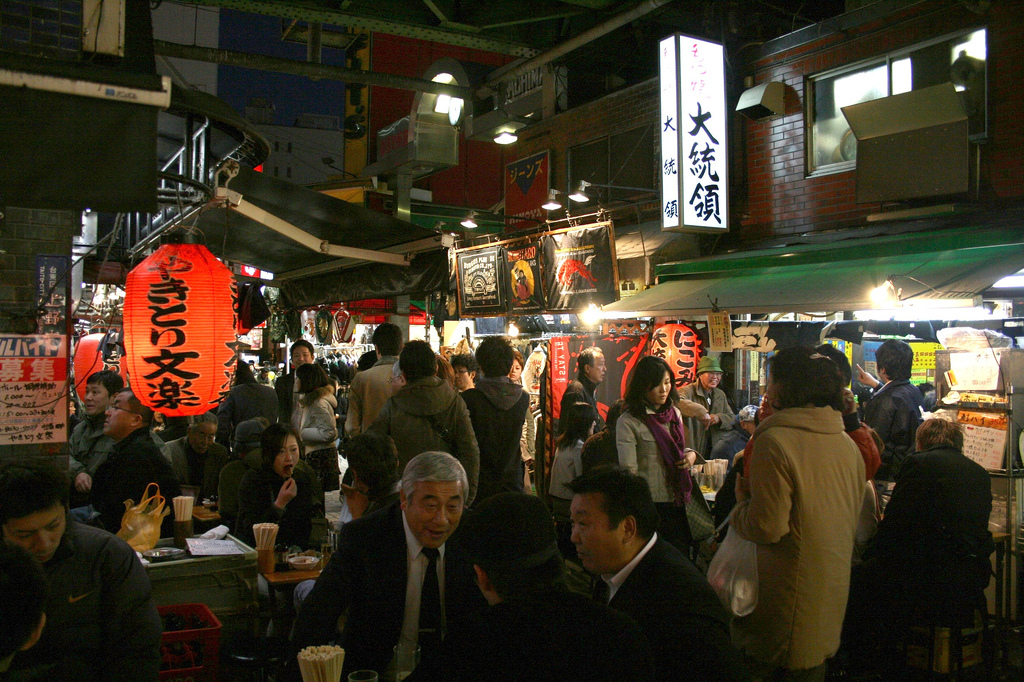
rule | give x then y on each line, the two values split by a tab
302	562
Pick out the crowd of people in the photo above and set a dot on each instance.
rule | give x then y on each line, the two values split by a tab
449	550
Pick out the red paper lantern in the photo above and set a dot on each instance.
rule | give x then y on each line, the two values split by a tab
91	356
179	330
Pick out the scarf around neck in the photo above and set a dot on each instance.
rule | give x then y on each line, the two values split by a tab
671	444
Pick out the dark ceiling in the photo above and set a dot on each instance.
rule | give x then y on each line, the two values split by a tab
524	28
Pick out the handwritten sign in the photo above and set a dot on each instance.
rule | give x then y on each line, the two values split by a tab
984	437
719	332
973	371
33	389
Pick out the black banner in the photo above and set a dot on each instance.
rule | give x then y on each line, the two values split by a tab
578	268
523	261
481	281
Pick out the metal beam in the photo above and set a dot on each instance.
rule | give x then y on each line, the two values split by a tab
573	43
440	241
316	71
310	12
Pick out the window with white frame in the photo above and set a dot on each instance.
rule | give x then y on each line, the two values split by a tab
960	59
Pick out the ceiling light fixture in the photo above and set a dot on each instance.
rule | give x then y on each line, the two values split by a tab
470	221
506	138
580	194
886	293
552	204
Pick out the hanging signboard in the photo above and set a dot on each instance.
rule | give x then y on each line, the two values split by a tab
719	332
481	277
33	389
53	291
579	268
681	345
526	189
694	152
523	263
984	437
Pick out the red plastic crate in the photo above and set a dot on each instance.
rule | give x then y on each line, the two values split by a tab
208	637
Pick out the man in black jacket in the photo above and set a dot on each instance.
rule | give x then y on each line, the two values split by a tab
497	408
302	353
133	464
590	371
614	523
101	623
535	628
894	411
388	571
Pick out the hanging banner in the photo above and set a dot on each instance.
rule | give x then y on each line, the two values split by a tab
53	291
481	276
694	117
525	279
526	189
579	268
33	389
681	345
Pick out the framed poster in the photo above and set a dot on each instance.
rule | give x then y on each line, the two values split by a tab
579	268
526	290
527	182
481	281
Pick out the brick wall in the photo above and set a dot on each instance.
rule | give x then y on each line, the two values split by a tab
626	109
782	200
24	234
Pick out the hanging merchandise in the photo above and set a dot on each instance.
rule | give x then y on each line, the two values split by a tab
524	277
534	370
179	330
252	307
344	326
323	327
579	268
482	282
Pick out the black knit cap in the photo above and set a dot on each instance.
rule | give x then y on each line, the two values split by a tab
512	529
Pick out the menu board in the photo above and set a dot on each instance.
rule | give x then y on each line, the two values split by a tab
523	262
481	281
33	389
984	437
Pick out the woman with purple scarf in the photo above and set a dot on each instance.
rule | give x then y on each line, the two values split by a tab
649	440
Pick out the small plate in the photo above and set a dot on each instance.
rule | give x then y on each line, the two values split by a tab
164	554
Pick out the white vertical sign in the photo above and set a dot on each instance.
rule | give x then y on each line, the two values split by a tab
669	60
695	161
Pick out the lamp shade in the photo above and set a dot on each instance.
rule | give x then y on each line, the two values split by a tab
179	330
91	356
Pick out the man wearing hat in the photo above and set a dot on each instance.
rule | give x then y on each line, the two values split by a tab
703	435
736	439
535	628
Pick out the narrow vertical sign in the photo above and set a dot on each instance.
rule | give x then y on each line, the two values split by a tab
694	152
669	124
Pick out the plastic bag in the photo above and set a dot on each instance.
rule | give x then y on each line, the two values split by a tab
733	574
140	525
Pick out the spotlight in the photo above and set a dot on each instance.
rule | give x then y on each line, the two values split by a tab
580	194
506	138
470	221
552	204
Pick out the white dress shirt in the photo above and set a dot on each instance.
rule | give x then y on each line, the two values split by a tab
614	582
416	564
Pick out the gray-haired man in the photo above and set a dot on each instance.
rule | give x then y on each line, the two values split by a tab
196	458
396	573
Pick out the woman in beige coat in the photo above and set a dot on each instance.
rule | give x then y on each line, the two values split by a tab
800	506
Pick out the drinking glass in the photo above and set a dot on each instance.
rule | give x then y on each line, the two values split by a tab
407	657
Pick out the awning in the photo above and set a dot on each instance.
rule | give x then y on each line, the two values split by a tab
319	220
951	264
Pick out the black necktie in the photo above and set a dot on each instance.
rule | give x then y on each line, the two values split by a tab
431	623
601	591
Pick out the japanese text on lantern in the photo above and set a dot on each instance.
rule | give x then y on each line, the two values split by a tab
169	384
681	347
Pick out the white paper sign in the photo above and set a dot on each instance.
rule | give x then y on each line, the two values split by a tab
984	437
719	332
974	371
33	389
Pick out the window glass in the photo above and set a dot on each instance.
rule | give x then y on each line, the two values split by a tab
833	141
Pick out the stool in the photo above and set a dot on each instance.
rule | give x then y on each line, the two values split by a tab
940	640
259	655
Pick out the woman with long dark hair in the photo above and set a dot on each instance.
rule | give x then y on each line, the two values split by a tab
278	492
650	442
314	420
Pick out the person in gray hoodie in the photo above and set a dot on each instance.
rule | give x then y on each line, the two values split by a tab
428	415
497	408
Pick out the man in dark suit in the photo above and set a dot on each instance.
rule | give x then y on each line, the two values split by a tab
614	523
398	552
535	628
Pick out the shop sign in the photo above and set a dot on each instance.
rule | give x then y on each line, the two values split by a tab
719	332
524	277
526	84
527	182
481	279
579	268
33	389
53	291
693	123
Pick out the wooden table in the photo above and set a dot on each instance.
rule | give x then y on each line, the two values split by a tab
281	579
204	514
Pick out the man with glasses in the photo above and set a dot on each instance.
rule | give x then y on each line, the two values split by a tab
702	434
134	462
465	369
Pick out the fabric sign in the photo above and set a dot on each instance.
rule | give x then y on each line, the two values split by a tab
578	268
524	277
481	281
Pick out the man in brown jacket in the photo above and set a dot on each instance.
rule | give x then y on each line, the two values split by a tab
371	389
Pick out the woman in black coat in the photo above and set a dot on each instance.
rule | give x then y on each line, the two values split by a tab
248	399
277	492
